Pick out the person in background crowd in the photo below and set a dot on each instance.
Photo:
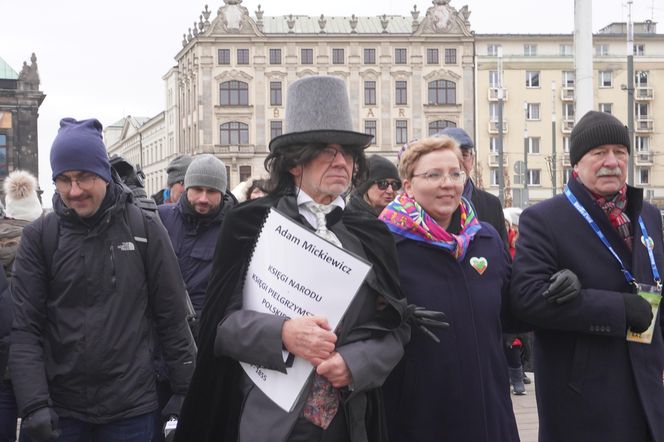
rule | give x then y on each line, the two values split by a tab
23	207
379	189
87	296
257	189
579	257
456	389
311	166
174	182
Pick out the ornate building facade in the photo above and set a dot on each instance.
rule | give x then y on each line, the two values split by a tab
20	99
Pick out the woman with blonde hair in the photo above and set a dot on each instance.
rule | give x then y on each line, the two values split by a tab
457	389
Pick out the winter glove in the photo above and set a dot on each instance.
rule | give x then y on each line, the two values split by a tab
638	312
564	287
426	319
41	425
172	407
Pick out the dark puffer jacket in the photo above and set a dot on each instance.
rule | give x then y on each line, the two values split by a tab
82	334
194	238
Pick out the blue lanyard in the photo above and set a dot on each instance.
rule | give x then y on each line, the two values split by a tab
646	239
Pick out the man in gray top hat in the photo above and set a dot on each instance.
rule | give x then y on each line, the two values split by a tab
310	166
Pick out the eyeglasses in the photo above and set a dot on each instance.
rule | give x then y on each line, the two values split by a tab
84	182
436	177
382	184
330	153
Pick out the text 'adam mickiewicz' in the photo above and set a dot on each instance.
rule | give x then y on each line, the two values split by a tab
311	248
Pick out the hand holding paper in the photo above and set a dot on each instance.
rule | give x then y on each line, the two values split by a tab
309	337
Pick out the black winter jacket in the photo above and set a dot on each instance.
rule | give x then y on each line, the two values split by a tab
82	336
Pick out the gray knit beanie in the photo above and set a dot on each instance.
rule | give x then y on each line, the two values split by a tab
596	129
208	171
177	168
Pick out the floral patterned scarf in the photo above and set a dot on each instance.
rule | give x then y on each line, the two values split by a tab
405	217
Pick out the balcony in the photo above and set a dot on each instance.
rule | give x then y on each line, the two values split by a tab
643	159
493	126
646	125
565	159
644	94
567	124
567	94
493	94
493	159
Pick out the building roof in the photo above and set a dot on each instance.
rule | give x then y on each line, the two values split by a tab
337	25
6	71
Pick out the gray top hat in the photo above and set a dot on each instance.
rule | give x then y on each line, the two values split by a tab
318	111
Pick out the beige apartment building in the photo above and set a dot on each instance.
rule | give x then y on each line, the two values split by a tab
408	76
538	84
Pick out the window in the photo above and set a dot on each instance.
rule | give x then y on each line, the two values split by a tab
530	50
234	93
432	56
566	144
606	107
234	133
307	56
245	173
495	176
532	78
439	125
566	49
605	78
401	92
533	111
450	56
400	56
493	145
401	131
568	111
641	79
494	50
369	56
642	144
370	93
4	170
275	56
639	49
337	56
601	50
641	111
275	93
533	145
569	78
243	56
224	56
494	79
370	128
442	92
534	177
493	111
643	175
276	128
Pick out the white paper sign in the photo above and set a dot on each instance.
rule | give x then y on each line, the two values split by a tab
293	272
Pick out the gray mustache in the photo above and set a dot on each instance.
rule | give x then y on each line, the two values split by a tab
605	171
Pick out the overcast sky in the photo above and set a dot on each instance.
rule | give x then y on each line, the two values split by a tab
106	59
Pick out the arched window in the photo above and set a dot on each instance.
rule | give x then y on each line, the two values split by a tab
442	92
233	133
438	125
234	93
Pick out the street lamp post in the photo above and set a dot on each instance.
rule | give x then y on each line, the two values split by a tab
630	90
501	171
524	196
554	168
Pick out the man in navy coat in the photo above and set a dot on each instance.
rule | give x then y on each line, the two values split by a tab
579	292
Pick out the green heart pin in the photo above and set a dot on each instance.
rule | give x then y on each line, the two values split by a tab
480	264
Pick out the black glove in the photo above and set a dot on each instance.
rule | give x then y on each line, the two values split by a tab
425	319
172	407
564	287
41	425
638	312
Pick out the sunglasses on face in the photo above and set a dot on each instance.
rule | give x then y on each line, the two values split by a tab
382	184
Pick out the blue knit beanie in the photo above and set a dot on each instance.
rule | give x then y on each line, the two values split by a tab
459	135
79	146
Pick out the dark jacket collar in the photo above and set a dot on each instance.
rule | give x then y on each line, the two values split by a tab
194	218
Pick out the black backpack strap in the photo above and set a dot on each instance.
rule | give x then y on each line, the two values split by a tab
139	229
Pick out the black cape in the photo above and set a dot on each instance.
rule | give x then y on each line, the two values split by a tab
212	408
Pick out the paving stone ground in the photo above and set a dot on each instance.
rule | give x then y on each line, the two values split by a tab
525	410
